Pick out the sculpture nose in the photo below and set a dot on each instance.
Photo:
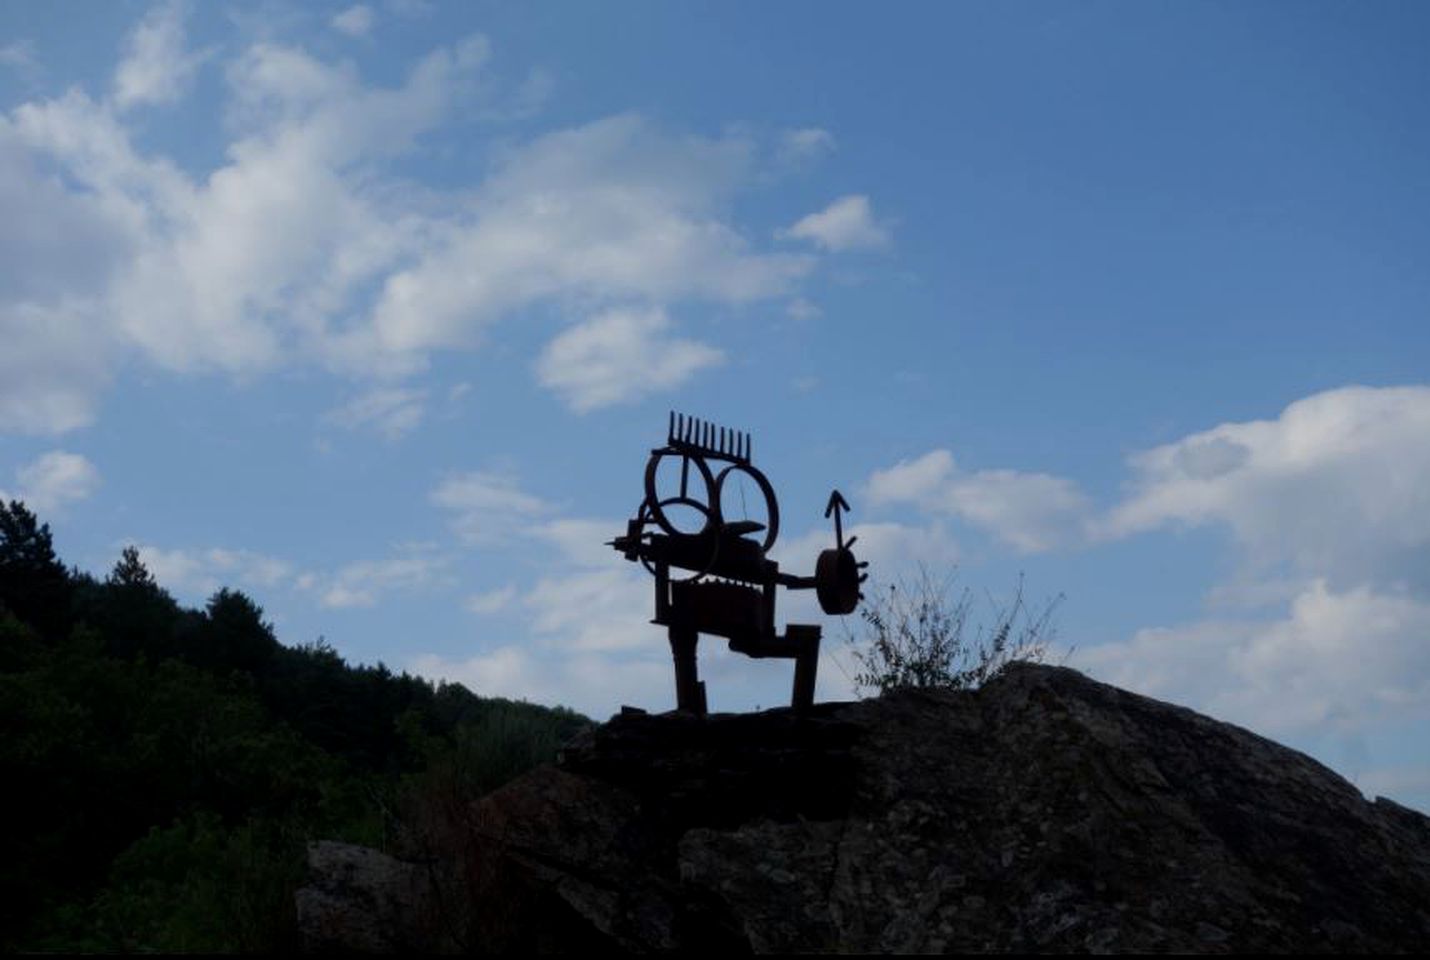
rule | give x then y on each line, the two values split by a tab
738	528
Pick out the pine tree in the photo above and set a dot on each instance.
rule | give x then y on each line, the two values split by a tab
131	572
34	585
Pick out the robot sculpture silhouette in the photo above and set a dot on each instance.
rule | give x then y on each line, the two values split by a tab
712	574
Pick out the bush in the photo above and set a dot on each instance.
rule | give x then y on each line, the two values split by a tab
916	635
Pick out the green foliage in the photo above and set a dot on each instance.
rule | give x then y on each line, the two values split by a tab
494	743
165	767
33	583
916	635
130	573
200	885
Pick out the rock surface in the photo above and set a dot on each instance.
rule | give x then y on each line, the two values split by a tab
1044	812
365	901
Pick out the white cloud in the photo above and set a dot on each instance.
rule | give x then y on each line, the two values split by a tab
304	246
59	249
581	541
1331	521
803	145
892	549
595	685
1337	661
156	67
801	309
1031	512
846	224
19	55
486	506
52	368
620	356
595	611
611	211
53	480
1333	487
245	267
355	21
592	646
201	572
391	411
1410	784
492	601
360	584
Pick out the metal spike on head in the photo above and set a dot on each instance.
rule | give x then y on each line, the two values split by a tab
697	436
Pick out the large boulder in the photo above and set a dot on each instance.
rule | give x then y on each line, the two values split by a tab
1043	812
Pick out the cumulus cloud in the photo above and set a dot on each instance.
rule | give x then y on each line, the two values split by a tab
52	368
1322	625
620	356
391	411
156	66
54	480
488	506
591	646
59	249
610	211
590	604
1336	661
304	245
246	266
1321	631
846	224
355	21
197	573
1334	486
492	601
804	144
596	685
892	549
19	55
1031	512
361	584
594	611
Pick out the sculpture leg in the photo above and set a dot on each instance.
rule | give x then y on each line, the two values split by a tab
806	663
689	691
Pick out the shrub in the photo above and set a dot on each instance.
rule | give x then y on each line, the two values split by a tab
915	634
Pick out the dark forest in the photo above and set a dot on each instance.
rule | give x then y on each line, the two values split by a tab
165	767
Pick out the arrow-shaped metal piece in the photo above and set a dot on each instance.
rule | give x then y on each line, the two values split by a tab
836	505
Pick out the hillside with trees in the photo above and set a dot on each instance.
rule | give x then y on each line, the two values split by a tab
165	767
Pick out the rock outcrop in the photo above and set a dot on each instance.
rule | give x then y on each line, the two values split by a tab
1044	812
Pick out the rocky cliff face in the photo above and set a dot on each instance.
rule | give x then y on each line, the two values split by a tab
1044	812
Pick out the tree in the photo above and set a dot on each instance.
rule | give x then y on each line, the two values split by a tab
34	585
135	615
234	634
131	572
916	635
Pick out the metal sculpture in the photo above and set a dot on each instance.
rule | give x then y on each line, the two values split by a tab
713	575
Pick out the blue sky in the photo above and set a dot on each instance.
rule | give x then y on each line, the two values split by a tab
375	312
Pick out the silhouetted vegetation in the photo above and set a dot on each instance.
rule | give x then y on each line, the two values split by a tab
164	767
916	634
